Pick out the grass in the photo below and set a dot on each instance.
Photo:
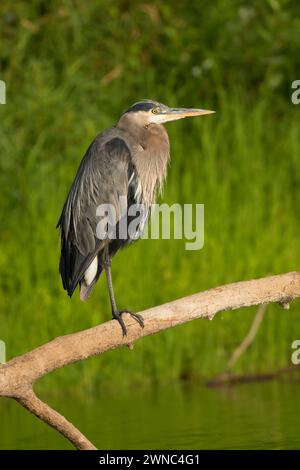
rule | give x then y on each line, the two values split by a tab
241	163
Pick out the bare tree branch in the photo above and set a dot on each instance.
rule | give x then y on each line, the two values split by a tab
226	376
44	412
18	376
241	348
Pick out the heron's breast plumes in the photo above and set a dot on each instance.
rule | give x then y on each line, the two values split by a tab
151	163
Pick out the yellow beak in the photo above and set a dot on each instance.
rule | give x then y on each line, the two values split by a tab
179	113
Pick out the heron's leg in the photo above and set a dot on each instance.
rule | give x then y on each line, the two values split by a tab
107	263
117	314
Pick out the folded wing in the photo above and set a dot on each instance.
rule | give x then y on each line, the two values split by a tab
105	174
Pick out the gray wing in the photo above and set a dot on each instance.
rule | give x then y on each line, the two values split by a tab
102	177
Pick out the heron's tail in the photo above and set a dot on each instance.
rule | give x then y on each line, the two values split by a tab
74	265
85	288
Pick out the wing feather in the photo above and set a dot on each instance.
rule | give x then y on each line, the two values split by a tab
101	178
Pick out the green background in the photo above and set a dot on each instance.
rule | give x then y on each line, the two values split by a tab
70	69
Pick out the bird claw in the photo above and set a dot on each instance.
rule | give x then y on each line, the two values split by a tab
118	316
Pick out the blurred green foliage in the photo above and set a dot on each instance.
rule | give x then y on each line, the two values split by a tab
71	67
130	45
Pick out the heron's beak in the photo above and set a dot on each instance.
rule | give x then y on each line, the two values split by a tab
179	113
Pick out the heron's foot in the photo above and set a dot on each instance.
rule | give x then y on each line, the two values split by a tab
117	315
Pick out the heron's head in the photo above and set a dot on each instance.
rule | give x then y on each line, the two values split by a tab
151	112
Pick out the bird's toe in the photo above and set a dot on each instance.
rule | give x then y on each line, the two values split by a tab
117	315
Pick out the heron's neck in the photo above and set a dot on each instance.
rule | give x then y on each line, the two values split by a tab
150	152
150	136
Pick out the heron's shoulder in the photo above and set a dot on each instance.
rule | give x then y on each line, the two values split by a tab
111	141
112	134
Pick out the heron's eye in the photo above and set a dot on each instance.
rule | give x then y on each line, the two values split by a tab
154	110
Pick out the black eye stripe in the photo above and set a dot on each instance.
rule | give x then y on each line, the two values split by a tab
141	107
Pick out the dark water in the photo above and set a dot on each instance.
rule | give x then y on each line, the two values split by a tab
254	416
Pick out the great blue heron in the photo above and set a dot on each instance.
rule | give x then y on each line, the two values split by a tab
128	160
